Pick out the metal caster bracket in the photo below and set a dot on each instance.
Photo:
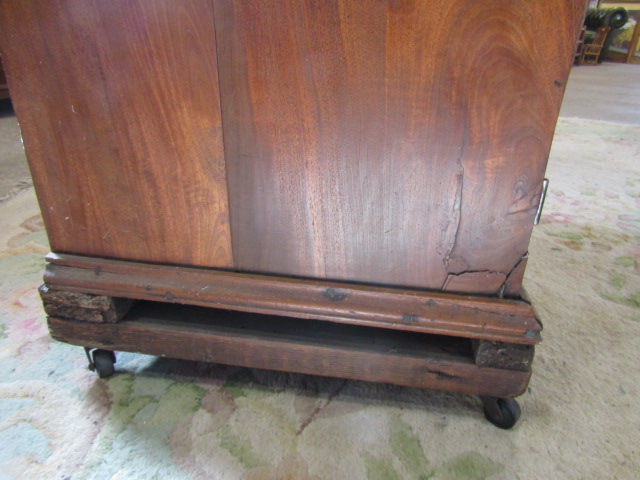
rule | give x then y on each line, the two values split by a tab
101	361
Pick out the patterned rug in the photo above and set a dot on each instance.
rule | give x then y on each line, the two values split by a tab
161	418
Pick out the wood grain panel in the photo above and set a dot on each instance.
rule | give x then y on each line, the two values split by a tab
394	142
119	109
348	352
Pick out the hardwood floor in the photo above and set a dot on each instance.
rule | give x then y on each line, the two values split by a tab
606	92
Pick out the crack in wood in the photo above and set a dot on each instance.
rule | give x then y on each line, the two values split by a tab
445	376
457	210
523	258
454	224
486	282
465	272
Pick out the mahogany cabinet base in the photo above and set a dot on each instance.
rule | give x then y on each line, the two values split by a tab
287	344
453	342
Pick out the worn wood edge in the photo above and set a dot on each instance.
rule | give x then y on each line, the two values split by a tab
177	341
503	355
466	316
102	265
84	306
526	298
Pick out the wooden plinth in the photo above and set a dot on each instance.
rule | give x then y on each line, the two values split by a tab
482	318
286	344
457	343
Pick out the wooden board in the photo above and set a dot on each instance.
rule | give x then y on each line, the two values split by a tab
507	356
278	343
82	306
119	108
391	142
494	319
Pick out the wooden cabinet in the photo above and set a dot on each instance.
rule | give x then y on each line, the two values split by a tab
369	162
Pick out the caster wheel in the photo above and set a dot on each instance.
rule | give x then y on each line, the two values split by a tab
502	412
103	361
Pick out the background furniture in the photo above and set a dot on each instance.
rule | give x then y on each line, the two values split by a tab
353	162
590	52
579	46
613	17
624	41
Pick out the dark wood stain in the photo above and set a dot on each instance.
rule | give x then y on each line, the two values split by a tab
334	294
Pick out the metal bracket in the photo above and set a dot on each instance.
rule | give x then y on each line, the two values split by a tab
543	196
92	365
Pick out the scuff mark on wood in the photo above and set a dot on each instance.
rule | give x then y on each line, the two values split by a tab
445	376
334	294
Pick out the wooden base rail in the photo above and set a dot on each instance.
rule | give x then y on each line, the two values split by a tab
277	343
482	318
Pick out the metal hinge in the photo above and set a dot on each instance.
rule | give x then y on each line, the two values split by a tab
543	195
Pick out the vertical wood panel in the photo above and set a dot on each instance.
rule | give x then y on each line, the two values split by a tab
397	142
119	108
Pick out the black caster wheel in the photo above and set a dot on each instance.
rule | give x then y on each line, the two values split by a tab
502	412
101	362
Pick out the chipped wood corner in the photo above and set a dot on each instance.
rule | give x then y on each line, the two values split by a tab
503	355
83	306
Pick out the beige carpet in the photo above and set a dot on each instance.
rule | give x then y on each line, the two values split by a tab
160	418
